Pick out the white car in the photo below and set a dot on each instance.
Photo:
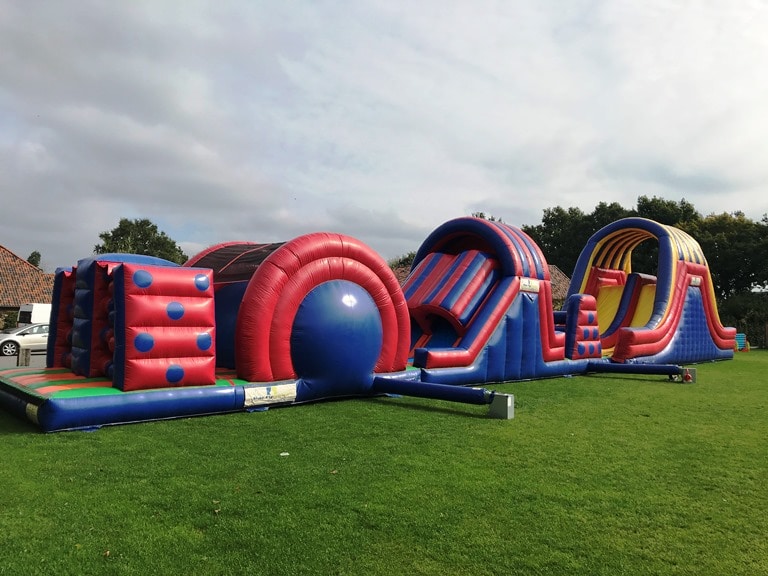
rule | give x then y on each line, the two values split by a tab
34	337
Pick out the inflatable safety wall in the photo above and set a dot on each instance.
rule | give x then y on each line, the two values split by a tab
581	328
89	349
164	327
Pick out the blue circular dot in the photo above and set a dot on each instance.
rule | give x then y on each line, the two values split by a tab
585	334
202	282
144	342
580	348
142	278
175	310
204	341
591	318
174	373
591	349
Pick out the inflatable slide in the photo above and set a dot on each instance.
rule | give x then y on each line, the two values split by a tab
480	300
670	317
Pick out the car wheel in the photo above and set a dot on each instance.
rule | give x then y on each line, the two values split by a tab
9	348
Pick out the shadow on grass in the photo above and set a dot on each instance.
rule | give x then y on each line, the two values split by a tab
443	407
633	378
10	424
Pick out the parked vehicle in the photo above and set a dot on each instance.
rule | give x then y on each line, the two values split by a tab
34	313
34	337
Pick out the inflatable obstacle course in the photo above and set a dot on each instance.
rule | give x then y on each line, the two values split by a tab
245	326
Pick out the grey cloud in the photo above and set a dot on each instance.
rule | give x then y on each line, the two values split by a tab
263	121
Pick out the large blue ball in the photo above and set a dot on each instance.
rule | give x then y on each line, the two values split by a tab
336	340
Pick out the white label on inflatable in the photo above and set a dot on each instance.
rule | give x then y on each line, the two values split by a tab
529	285
31	411
695	280
277	393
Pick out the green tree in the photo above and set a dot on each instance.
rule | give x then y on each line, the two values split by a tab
604	214
484	216
736	249
562	235
34	258
748	313
8	320
139	236
404	261
667	211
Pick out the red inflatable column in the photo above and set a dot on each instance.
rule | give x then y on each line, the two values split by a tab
165	327
101	331
582	332
63	297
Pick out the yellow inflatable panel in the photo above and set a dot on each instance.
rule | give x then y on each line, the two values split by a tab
644	307
608	299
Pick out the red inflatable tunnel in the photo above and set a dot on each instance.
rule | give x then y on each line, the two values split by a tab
284	279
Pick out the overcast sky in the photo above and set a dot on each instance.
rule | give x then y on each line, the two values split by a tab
264	120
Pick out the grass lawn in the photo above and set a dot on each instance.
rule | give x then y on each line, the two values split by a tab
595	475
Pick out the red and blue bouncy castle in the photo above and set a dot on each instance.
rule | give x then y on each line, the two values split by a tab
240	326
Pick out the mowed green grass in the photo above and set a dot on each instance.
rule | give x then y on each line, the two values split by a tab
595	475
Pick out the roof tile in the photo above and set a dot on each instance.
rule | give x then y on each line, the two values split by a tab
22	282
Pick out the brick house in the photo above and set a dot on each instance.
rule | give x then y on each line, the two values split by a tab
560	284
21	282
